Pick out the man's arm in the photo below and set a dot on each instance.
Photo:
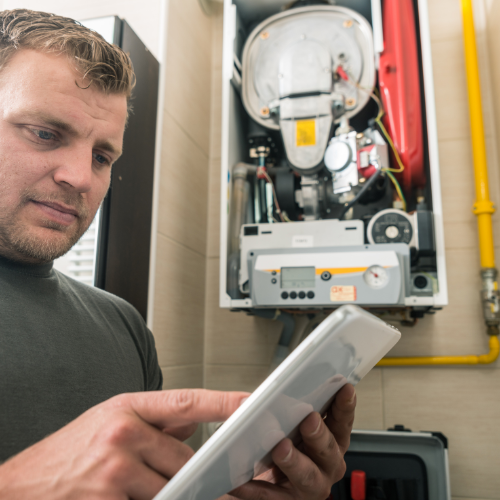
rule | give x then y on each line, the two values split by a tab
130	446
116	450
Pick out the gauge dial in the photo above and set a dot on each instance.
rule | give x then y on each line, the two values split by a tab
376	277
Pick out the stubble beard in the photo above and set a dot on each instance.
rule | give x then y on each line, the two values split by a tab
19	242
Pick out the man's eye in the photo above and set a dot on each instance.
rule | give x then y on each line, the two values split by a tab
43	134
100	159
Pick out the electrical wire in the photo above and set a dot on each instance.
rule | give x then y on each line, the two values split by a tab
368	184
397	187
378	121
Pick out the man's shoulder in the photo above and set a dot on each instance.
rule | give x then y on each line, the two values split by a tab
100	298
116	315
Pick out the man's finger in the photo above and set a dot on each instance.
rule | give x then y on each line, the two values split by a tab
320	444
183	432
258	489
143	484
300	470
176	408
340	416
163	453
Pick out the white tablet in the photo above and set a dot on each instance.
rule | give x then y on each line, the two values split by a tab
342	349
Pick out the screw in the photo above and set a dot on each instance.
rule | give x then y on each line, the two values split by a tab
350	102
264	35
348	23
264	111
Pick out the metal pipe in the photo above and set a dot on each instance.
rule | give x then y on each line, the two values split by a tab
240	193
283	348
472	359
483	209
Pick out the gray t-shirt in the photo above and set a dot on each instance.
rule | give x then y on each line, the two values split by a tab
64	347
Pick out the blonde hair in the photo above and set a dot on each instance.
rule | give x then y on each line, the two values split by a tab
105	65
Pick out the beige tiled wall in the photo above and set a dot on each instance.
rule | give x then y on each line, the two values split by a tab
179	299
463	403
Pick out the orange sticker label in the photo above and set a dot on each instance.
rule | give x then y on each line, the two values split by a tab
343	293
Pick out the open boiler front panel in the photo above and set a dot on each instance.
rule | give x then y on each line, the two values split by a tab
330	177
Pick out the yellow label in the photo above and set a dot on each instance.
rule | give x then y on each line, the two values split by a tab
341	270
343	293
306	133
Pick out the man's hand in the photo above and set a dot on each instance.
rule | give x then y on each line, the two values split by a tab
309	472
126	447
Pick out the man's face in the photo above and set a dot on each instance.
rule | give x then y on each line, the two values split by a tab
58	141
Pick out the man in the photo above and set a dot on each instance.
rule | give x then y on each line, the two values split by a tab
75	362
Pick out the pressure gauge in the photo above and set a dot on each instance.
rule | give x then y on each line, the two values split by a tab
376	277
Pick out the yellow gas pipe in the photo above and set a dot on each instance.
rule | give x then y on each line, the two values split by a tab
483	209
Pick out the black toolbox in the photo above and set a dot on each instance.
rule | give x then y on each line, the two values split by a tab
395	465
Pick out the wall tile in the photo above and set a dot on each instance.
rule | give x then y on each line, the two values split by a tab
475	498
458	191
369	410
217	34
234	377
183	188
457	180
445	19
179	304
187	92
216	118
450	89
233	337
182	377
463	405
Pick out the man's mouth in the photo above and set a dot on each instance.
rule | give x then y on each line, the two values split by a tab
58	212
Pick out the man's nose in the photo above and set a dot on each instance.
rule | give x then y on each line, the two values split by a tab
75	169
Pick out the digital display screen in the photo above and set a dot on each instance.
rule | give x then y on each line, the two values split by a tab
298	277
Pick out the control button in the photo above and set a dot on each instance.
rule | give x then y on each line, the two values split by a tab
274	281
310	295
420	282
326	275
284	295
302	295
293	295
273	273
